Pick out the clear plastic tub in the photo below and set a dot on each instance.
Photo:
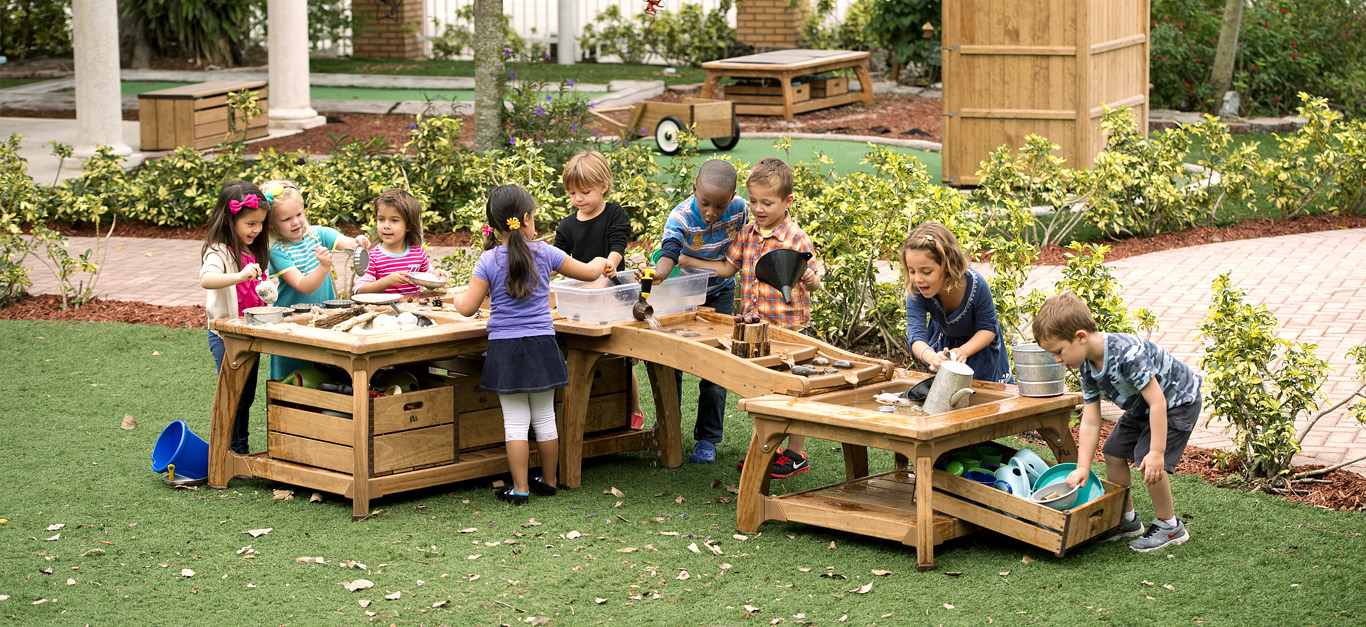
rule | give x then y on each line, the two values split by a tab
597	302
681	292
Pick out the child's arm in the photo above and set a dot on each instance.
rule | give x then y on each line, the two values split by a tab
618	236
1153	464
1090	439
576	269
220	280
724	269
376	286
350	243
468	303
984	320
309	283
979	340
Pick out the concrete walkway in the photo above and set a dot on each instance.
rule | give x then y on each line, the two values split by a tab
1313	283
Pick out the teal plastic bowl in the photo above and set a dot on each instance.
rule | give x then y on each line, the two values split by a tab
1057	474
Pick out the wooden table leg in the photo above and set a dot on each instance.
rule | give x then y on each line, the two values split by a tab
710	85
755	477
669	430
855	461
864	80
900	462
238	360
788	97
360	446
924	513
574	413
1057	433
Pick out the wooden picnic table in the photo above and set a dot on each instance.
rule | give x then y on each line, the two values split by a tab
918	506
785	65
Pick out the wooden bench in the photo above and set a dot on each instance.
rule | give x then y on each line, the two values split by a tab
195	115
780	68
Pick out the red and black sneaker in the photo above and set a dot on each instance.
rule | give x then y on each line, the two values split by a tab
789	463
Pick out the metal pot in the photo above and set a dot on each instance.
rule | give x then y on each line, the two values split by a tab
1031	355
264	315
1037	371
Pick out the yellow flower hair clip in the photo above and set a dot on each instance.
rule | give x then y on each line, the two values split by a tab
514	224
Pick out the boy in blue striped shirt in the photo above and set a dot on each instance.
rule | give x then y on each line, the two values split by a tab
703	226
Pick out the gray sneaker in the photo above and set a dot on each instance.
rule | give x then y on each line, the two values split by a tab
1161	535
1126	529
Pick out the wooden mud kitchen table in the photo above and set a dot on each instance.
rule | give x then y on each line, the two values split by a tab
364	448
921	506
782	66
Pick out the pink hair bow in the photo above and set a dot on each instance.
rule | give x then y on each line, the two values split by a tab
251	201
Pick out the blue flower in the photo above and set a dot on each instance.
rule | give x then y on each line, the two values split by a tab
512	75
569	82
512	141
683	516
412	125
540	111
592	105
548	97
507	52
573	127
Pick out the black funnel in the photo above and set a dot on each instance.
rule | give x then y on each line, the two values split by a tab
782	269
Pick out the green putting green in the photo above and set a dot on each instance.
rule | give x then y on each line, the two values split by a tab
133	88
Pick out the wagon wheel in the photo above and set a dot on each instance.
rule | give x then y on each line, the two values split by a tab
726	143
666	134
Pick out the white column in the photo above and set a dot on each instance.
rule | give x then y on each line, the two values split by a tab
99	111
290	106
569	32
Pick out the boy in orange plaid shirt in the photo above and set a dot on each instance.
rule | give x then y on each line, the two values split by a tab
772	228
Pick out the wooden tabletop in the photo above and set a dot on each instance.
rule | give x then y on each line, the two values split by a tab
795	59
201	90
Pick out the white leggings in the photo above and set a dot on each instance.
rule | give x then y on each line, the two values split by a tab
529	411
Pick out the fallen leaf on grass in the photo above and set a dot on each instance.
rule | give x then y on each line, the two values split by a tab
844	618
309	560
359	584
315	498
256	533
283	495
572	534
693	547
668	533
185	572
629	549
750	608
40	601
803	569
246	549
947	606
394	597
474	577
683	576
599	600
863	589
469	530
741	537
92	551
715	548
724	566
55	527
614	492
474	557
439	603
70	582
536	620
53	538
881	573
1168	586
128	422
531	523
1146	582
352	564
363	603
832	545
1027	559
680	499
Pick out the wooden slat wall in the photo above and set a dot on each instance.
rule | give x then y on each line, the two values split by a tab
1014	68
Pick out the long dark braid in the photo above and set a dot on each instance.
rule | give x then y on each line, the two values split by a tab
507	203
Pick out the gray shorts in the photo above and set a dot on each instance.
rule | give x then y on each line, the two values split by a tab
1132	436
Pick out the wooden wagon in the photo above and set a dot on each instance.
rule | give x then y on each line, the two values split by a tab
710	119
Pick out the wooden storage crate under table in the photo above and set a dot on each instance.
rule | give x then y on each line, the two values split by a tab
827	86
196	115
765	94
786	69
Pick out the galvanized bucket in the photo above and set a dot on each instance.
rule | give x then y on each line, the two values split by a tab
1037	372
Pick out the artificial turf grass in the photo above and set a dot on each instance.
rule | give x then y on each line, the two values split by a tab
68	462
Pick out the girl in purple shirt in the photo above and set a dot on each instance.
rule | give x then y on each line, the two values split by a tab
523	365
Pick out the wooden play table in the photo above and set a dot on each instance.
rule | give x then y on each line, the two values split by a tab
347	446
895	505
785	65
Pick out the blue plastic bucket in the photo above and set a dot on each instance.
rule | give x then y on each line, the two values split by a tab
179	446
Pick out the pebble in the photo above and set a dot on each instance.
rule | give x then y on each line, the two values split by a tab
820	361
831	370
691	334
844	364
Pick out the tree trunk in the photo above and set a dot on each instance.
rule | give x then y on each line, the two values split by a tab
489	74
1222	74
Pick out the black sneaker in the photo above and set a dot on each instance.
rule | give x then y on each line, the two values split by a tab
540	487
509	495
789	463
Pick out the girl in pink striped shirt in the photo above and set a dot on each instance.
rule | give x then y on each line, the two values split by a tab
398	221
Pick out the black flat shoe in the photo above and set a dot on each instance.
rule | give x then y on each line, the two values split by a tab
507	494
541	488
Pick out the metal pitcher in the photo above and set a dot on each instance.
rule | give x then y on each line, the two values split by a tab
951	389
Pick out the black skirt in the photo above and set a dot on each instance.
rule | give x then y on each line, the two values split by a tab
524	365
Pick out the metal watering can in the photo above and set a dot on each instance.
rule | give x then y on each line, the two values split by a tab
951	388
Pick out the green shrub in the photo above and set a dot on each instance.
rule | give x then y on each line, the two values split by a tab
213	31
41	27
690	37
1323	166
896	26
458	35
619	35
821	30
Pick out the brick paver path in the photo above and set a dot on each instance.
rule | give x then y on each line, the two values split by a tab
1314	283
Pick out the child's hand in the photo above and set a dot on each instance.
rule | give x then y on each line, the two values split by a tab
249	272
602	264
399	278
362	241
1152	467
933	360
1077	477
609	271
810	279
324	256
441	273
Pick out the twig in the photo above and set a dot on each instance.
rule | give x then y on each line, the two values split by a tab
1324	471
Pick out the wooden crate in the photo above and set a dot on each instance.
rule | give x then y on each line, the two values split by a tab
826	86
1023	519
1042	68
766	94
196	115
481	416
407	431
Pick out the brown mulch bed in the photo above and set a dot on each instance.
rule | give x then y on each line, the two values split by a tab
48	307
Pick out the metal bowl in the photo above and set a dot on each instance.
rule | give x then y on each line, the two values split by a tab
1041	388
337	303
428	280
304	308
1032	355
264	315
182	482
1058	496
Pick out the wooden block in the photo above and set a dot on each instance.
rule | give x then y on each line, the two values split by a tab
829	86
